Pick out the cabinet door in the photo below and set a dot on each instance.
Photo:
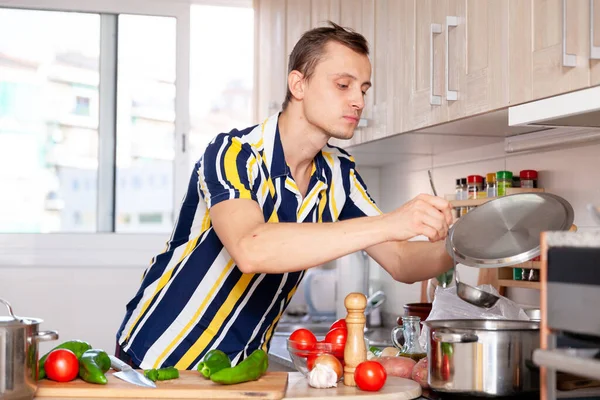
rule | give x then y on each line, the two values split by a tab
595	44
359	15
322	11
421	85
549	43
477	61
271	56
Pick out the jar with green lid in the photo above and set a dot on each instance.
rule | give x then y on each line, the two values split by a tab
503	181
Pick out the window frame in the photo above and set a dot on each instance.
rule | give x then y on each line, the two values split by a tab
106	247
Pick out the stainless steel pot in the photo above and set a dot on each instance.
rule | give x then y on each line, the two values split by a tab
19	339
482	357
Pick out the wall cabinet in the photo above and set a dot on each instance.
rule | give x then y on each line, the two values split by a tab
549	45
436	61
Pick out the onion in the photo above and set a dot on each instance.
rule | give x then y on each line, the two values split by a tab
331	361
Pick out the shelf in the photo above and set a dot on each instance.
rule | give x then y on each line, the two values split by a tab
518	284
478	202
470	203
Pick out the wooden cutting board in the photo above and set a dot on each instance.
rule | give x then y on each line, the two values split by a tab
394	388
190	385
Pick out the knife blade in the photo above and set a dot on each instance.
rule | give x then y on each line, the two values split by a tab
129	374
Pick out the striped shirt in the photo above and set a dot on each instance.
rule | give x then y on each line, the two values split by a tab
193	298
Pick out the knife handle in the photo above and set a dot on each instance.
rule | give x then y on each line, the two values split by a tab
118	364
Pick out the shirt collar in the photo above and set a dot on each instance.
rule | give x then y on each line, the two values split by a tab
274	152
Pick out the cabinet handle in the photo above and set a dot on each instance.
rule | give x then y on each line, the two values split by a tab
594	50
434	100
450	22
569	60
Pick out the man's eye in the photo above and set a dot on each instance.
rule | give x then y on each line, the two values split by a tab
342	86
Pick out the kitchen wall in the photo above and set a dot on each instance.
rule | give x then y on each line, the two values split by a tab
571	172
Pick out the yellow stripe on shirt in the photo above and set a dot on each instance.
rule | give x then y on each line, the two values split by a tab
231	171
332	190
209	333
199	311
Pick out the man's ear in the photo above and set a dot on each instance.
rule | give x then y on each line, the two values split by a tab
296	84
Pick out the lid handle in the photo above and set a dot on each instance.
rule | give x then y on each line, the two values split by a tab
7	304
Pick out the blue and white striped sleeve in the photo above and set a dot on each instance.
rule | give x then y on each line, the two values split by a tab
225	171
358	203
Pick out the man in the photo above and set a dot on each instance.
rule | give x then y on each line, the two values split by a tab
238	252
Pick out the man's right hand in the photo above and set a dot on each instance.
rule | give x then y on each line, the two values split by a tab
425	215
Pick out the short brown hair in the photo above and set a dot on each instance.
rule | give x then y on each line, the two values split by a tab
310	48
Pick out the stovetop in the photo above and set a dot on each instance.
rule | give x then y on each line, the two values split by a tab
432	395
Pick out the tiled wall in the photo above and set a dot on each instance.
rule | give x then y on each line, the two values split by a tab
571	172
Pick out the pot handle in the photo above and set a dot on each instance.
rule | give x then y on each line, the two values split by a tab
452	337
10	311
45	336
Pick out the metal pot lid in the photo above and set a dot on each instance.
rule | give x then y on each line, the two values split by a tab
484	324
6	321
506	231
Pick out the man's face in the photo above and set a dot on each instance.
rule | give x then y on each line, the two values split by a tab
334	95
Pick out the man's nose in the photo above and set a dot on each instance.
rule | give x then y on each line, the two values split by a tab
358	100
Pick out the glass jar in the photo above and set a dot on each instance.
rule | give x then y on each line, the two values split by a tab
411	330
491	185
529	178
503	180
458	190
463	183
474	186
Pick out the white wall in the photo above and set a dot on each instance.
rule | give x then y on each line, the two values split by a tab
570	172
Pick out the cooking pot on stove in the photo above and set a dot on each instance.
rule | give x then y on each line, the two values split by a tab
481	357
19	337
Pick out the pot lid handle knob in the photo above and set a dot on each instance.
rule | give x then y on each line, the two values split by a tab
10	311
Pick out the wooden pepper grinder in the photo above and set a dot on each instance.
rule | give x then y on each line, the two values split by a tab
355	351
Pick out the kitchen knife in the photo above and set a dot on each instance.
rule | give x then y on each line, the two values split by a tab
129	374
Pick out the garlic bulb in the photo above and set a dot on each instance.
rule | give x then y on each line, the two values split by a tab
322	376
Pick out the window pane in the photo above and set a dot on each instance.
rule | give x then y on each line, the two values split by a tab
221	72
145	123
49	73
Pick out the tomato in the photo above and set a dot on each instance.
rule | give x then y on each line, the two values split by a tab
303	340
370	376
337	337
61	365
340	323
310	361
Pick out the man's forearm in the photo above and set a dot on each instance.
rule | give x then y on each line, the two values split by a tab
411	262
288	247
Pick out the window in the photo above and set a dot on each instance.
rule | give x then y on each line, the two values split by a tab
94	104
221	73
145	121
49	63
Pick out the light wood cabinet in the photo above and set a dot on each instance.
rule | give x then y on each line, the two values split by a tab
421	83
595	44
477	68
549	44
270	48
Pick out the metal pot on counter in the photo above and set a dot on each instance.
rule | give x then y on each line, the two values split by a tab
19	337
482	357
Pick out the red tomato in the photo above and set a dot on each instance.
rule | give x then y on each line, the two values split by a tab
61	365
337	337
310	361
340	323
370	375
304	340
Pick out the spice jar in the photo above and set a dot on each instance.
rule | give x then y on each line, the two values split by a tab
491	185
529	178
474	186
503	181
